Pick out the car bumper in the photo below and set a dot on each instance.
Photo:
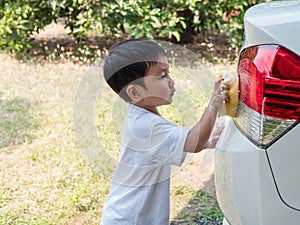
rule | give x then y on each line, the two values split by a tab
245	187
225	222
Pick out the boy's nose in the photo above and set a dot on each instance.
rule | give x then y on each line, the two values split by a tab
171	82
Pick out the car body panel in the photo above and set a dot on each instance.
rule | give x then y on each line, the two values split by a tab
284	158
279	23
276	22
245	188
254	185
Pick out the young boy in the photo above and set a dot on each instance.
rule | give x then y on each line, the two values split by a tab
138	72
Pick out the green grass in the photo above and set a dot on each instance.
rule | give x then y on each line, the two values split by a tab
206	205
16	120
44	178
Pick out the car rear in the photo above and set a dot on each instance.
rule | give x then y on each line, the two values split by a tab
257	157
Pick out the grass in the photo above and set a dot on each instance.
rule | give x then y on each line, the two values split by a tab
200	205
44	178
15	121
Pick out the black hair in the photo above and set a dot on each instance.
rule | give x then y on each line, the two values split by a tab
128	62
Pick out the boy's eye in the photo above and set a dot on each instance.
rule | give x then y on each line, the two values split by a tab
164	76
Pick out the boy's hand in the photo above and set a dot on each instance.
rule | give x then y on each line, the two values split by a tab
214	137
220	94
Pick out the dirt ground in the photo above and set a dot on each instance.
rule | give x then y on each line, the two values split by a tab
198	172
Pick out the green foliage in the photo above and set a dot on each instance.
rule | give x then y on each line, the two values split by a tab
230	19
20	19
176	20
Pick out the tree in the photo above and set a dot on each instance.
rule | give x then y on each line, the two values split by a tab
176	20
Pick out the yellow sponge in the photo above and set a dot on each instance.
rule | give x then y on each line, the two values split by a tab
231	80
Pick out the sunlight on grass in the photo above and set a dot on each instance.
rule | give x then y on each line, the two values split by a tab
52	183
44	177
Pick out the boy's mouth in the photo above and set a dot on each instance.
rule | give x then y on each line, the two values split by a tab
173	92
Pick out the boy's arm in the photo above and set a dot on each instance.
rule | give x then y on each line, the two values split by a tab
200	133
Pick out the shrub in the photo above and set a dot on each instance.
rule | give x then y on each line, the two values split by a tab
20	19
176	20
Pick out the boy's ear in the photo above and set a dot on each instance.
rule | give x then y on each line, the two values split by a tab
133	92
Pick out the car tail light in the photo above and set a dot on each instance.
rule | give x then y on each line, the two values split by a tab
269	98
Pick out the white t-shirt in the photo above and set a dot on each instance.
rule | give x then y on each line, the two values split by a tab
140	188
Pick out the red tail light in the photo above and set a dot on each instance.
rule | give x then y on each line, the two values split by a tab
269	100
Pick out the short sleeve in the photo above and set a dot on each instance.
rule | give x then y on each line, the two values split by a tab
150	145
167	143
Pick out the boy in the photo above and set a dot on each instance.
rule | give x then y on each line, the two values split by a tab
138	72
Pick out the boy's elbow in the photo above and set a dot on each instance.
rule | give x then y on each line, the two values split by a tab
194	149
199	148
196	141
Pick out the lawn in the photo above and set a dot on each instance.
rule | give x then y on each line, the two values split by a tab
51	172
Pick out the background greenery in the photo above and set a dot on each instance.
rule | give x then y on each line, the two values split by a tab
176	20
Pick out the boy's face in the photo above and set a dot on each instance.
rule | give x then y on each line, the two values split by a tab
159	86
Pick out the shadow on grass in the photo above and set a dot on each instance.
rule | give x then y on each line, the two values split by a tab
16	121
202	208
213	48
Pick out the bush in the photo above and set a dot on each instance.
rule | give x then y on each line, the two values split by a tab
20	19
177	20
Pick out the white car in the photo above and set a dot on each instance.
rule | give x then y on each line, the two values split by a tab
257	163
